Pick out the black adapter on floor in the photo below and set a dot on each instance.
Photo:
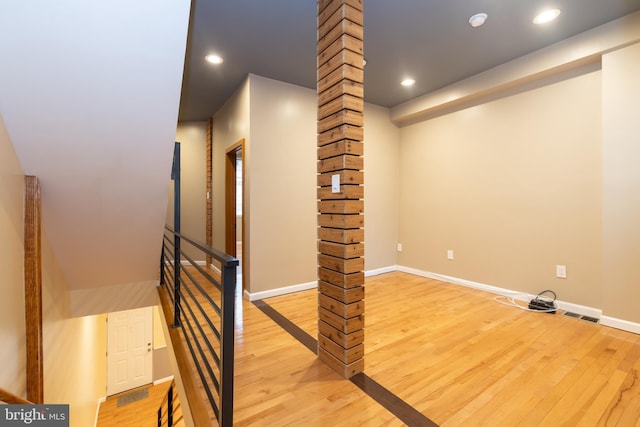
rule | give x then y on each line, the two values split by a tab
543	303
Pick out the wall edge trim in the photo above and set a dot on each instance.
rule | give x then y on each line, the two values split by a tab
254	296
383	270
624	325
163	380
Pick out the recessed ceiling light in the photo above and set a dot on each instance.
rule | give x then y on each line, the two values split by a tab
214	59
546	16
478	19
408	82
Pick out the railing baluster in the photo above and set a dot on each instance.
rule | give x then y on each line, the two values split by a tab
226	346
176	283
170	407
176	227
162	264
160	416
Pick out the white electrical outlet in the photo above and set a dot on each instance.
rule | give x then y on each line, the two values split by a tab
450	254
399	247
561	271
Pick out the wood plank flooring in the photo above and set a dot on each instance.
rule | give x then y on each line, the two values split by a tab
450	352
460	358
143	413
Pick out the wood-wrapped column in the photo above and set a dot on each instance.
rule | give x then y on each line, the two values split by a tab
341	205
209	188
33	289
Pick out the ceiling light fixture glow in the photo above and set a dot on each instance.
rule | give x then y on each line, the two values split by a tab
214	59
408	82
478	19
546	16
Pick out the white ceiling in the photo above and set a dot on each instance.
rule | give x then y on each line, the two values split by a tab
429	40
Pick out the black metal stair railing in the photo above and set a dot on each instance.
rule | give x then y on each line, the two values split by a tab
170	410
203	306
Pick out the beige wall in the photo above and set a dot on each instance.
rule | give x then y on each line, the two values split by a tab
161	362
193	190
74	348
621	151
283	197
280	163
283	159
12	329
381	188
513	187
158	333
230	125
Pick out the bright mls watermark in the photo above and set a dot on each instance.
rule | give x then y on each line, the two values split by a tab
34	415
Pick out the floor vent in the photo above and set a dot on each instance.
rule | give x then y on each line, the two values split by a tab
580	316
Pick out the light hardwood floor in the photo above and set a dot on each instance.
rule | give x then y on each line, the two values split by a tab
462	359
451	352
135	414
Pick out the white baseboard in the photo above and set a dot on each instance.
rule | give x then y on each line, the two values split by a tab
100	401
305	286
456	281
563	305
580	309
281	291
163	380
624	325
382	270
214	268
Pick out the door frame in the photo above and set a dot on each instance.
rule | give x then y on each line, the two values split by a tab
230	206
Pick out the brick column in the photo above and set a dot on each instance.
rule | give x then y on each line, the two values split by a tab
340	219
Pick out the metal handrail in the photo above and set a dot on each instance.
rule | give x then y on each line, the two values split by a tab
192	300
188	311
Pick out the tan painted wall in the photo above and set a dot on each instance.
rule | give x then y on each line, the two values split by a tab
193	159
283	196
75	367
621	151
283	184
12	329
159	339
513	187
74	348
230	125
381	187
280	160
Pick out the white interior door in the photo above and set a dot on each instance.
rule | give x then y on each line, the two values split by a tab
129	349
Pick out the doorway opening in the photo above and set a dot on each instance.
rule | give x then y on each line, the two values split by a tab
234	209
